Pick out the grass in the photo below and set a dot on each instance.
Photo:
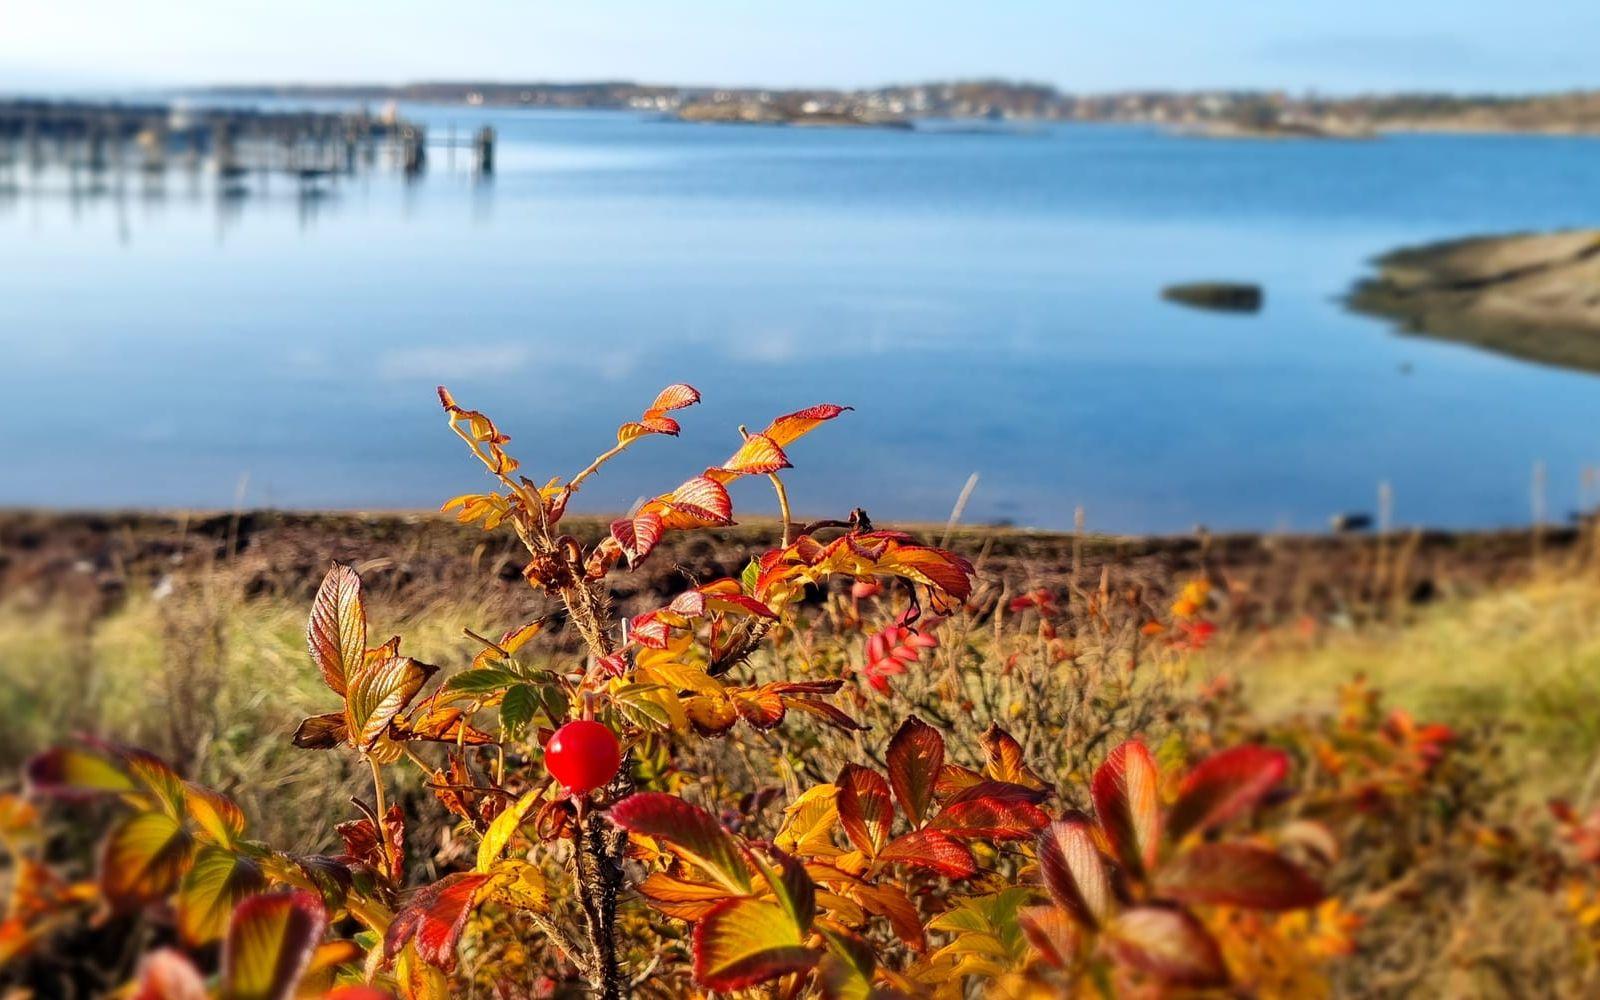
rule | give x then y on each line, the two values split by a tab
1525	659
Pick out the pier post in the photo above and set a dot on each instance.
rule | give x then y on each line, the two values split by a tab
484	143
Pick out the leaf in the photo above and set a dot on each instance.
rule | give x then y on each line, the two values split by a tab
758	456
519	884
915	758
1073	871
379	693
865	810
1005	760
517	708
434	917
270	940
142	859
700	502
637	535
681	898
933	850
321	732
1169	944
992	810
791	886
165	974
741	942
692	833
480	680
504	828
892	903
1127	804
68	773
218	880
215	813
1052	933
1238	875
1223	786
791	426
675	397
336	635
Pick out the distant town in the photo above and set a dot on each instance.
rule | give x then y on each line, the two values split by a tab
1207	112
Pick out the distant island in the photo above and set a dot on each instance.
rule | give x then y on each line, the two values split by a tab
1531	295
1209	113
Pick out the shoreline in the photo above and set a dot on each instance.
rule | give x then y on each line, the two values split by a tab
92	564
1526	295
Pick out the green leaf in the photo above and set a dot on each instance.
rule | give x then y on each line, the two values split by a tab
751	574
217	881
480	680
521	701
741	942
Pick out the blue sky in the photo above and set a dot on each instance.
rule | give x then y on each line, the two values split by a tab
1351	45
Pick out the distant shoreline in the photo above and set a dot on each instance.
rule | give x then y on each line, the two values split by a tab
1534	296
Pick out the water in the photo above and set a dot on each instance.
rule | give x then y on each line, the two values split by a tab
988	303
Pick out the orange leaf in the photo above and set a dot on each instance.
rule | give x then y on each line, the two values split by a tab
758	456
915	759
1127	804
336	635
865	811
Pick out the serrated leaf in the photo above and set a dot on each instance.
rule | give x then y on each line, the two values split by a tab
742	942
1225	785
1128	806
218	880
637	535
1073	871
517	707
933	850
1169	944
270	940
434	918
336	635
915	758
758	456
380	693
1238	875
692	833
992	810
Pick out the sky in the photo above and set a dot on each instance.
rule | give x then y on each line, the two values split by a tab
1332	46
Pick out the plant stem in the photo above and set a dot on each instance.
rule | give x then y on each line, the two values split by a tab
783	504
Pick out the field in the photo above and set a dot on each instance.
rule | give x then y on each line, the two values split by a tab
1446	870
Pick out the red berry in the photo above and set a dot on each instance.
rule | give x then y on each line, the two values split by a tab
583	756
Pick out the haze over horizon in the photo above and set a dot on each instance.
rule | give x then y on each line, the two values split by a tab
1358	46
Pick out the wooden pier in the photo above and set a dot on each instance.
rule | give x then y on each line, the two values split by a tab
231	142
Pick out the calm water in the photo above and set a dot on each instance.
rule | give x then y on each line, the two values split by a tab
988	303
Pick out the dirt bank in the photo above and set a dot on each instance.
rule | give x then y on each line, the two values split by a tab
92	562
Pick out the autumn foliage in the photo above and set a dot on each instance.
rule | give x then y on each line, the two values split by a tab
600	856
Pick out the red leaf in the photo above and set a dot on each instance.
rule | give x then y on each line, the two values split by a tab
992	810
691	831
1052	933
165	974
934	850
915	758
1127	804
700	502
865	811
1223	786
637	535
1169	944
1238	875
1073	871
434	917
